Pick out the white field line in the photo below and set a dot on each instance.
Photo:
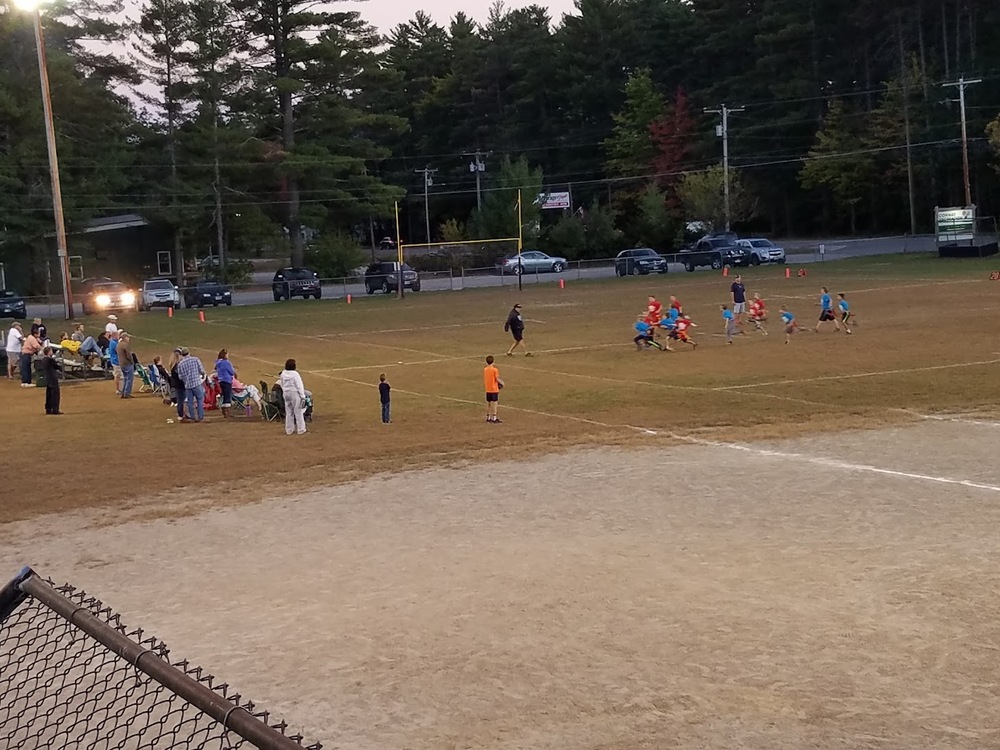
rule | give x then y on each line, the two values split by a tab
765	452
852	376
815	460
949	418
418	328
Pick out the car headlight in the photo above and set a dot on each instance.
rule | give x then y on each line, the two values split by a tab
102	300
128	298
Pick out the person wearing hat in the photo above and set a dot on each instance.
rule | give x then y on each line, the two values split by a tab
515	326
15	337
112	326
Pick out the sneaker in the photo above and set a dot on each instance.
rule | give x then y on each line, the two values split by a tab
497	421
529	354
510	354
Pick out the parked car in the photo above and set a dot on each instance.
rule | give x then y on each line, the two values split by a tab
159	293
12	305
531	261
639	261
296	282
385	276
207	292
763	251
715	252
100	295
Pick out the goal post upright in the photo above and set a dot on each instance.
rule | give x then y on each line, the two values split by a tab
399	255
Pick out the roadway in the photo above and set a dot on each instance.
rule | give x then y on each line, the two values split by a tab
799	252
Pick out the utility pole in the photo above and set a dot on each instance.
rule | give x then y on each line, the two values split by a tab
477	167
723	132
428	181
961	85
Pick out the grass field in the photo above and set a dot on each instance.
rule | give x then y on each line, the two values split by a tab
926	343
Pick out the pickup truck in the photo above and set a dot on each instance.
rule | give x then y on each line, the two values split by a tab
715	252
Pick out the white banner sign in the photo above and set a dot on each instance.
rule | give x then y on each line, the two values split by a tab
554	201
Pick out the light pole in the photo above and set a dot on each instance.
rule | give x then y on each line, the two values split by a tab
961	84
723	132
32	6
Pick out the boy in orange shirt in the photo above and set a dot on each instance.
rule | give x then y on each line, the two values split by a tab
493	383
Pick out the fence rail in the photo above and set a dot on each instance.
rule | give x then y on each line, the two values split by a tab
71	673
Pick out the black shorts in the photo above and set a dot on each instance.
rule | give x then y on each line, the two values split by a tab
845	316
491	397
518	335
825	316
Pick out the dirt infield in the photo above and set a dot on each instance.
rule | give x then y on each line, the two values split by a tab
831	592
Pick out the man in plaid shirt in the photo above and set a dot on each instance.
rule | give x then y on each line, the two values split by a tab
192	373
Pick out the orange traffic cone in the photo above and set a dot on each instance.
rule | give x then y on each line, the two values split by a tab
201	315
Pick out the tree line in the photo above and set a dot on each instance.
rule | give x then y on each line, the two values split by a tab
257	126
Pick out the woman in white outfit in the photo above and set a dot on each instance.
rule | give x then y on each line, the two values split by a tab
295	399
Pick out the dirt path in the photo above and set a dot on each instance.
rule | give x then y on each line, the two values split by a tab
787	596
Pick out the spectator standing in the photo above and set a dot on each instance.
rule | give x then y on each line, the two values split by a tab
112	326
126	362
384	389
176	384
15	337
515	326
294	393
29	348
192	374
50	368
113	359
225	372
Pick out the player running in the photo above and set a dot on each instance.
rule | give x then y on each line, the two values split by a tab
644	334
758	313
845	311
680	332
729	324
675	304
655	308
826	310
788	319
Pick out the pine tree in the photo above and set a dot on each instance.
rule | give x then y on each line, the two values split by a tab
839	162
631	149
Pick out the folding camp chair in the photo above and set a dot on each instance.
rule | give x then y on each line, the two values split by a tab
270	411
147	384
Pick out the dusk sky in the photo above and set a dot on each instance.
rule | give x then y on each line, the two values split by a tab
385	14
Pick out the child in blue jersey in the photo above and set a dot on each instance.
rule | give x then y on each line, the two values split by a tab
845	311
826	310
644	333
729	324
668	325
788	320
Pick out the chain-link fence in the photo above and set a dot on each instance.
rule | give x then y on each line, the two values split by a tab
72	675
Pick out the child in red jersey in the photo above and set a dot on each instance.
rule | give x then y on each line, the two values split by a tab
680	332
758	313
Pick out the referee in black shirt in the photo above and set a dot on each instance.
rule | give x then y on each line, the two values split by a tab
515	325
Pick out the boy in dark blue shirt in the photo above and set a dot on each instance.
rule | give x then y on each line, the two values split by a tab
383	397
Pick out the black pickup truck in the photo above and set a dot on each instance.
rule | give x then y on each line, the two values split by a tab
715	252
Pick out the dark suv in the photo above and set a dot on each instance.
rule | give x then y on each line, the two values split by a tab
296	282
640	261
385	276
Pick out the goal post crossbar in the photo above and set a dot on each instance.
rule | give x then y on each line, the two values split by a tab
495	240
